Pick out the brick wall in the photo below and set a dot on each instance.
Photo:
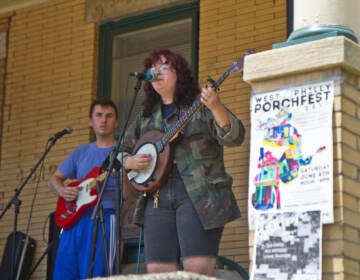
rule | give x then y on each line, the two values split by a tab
51	80
4	28
227	30
51	77
342	239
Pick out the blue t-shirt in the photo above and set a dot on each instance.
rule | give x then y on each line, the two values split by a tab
82	160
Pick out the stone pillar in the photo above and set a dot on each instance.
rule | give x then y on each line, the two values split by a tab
327	12
324	18
315	60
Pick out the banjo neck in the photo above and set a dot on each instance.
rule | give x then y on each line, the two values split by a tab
171	134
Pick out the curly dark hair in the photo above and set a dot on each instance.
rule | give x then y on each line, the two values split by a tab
187	87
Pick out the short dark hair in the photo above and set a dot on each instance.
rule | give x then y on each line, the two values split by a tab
103	102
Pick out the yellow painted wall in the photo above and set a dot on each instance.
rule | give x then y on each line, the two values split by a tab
50	82
50	74
227	30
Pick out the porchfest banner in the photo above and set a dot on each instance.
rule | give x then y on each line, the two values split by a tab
291	150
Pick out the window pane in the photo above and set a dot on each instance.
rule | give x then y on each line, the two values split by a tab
129	51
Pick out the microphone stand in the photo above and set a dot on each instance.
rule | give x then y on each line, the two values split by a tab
17	202
99	217
110	167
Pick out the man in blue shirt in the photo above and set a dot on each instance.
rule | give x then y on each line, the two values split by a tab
74	255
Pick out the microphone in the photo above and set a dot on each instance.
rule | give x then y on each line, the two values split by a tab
146	76
61	133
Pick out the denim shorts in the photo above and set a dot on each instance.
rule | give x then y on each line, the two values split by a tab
173	230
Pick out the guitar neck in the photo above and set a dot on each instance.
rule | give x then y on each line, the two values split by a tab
100	178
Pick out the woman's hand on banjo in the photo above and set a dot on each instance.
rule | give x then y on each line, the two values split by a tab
138	161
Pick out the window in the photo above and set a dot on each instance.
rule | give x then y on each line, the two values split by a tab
124	45
290	16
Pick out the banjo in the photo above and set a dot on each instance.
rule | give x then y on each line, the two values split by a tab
158	144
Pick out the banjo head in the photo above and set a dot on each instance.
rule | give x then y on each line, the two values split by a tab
144	175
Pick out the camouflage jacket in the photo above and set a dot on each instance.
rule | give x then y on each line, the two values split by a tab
199	158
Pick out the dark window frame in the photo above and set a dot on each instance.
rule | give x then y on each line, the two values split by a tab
109	30
289	17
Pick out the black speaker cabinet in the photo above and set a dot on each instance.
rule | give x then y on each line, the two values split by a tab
16	264
54	232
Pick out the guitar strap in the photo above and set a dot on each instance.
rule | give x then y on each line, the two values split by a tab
181	113
104	166
168	111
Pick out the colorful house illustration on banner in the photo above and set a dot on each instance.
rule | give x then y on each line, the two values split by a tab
272	171
267	182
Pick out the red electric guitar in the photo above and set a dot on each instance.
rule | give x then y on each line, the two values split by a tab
68	213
